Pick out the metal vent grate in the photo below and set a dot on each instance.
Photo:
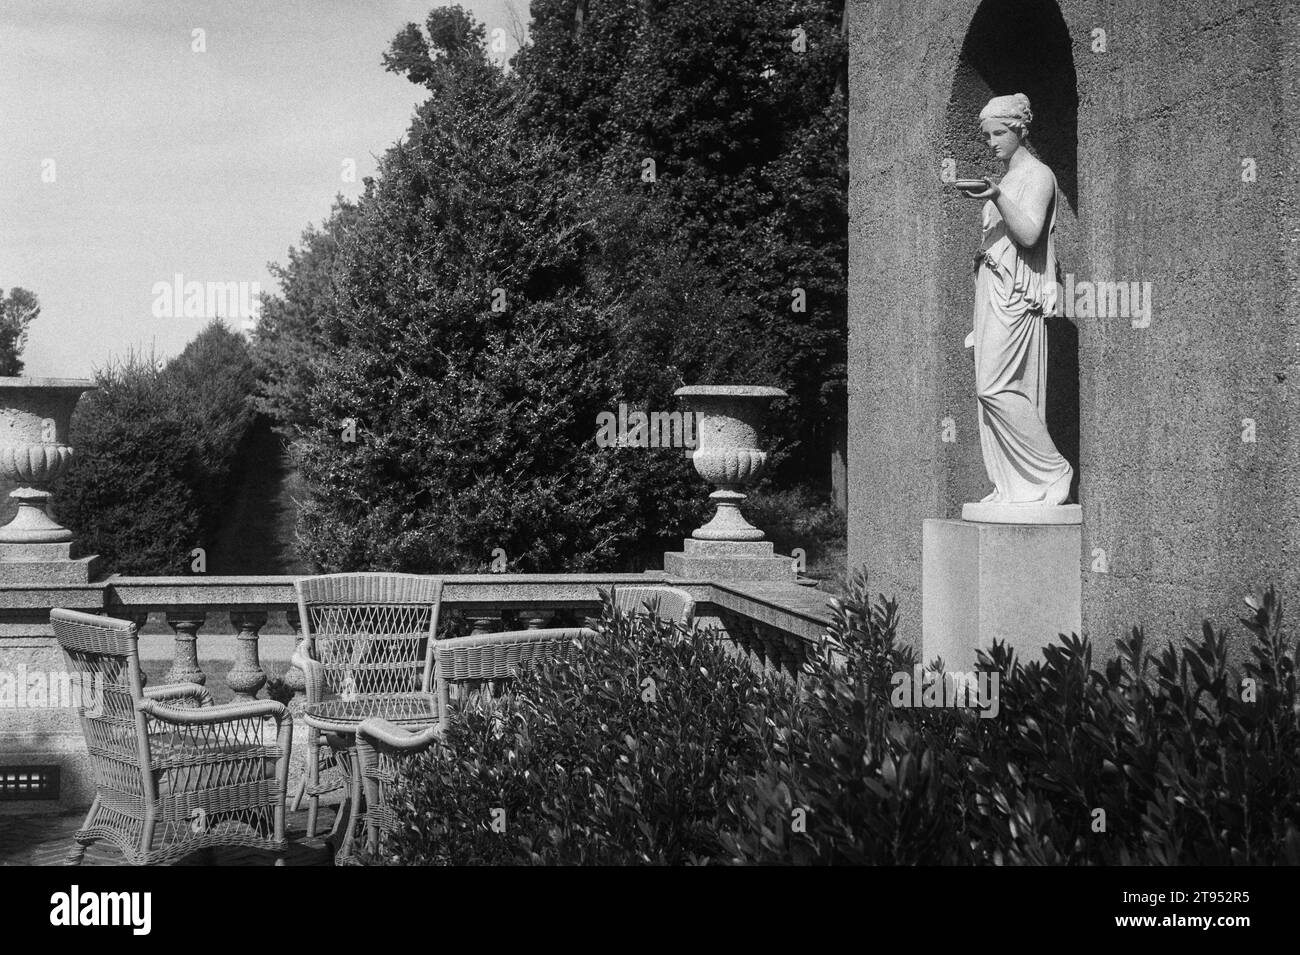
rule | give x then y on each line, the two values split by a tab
28	782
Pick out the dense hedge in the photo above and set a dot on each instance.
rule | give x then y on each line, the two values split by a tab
1166	758
157	450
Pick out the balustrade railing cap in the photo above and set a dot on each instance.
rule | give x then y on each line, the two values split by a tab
730	391
79	384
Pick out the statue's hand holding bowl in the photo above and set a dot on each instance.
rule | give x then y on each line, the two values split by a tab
978	188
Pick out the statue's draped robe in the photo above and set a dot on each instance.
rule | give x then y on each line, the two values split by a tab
1014	289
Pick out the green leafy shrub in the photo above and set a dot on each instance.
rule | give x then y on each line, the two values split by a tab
1156	759
626	753
1169	758
157	449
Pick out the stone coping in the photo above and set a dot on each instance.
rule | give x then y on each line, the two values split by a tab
278	591
729	391
85	384
796	609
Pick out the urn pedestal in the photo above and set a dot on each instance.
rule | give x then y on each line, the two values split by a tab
40	569
729	457
34	417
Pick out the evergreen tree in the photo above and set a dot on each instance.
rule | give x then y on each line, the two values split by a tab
741	107
470	354
289	339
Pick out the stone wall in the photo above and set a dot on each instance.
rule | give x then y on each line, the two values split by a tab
1188	514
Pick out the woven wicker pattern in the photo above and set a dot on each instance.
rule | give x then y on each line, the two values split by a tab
369	589
667	603
471	663
382	750
419	708
368	641
495	656
174	774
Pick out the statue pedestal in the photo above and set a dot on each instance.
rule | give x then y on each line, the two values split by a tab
728	560
980	582
1022	513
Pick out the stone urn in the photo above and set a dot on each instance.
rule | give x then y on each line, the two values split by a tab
729	454
34	418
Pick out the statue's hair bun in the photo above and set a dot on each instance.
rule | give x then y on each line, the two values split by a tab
1022	102
1013	110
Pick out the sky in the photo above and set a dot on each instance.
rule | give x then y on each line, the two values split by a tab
134	150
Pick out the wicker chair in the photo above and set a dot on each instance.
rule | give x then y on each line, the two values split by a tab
174	774
367	641
667	603
472	663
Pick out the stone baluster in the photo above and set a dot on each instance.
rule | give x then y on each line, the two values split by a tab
246	677
770	640
484	621
772	649
736	629
185	664
768	647
753	643
795	654
294	678
738	632
778	651
536	619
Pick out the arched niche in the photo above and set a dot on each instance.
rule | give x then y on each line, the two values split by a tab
1011	46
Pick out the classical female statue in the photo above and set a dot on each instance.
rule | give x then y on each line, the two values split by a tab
1015	290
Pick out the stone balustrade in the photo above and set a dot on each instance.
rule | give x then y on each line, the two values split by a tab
770	622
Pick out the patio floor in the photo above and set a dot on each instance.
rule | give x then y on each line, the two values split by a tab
46	838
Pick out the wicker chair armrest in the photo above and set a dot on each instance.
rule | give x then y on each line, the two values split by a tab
398	737
313	676
226	713
669	603
490	656
179	691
